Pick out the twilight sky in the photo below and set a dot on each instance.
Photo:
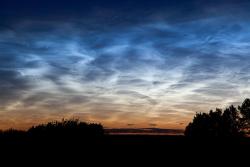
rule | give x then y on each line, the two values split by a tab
133	63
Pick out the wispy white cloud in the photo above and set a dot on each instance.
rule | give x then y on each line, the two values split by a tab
158	70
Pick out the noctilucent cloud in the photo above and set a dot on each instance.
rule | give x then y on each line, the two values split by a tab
136	62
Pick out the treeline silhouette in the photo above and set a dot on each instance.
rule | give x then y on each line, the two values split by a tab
56	131
232	122
86	141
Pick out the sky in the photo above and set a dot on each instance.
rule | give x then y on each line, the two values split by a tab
133	63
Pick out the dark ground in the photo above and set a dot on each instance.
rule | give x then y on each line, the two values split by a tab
129	149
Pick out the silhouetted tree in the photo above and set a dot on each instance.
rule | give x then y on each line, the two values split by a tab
245	115
231	125
217	123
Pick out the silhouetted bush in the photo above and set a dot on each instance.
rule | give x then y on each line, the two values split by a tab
54	132
231	122
12	135
66	129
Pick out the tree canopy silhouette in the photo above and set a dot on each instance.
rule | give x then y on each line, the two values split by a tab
231	122
66	129
56	131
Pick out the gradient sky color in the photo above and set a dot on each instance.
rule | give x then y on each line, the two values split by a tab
133	63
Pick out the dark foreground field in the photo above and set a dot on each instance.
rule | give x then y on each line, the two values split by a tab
128	149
